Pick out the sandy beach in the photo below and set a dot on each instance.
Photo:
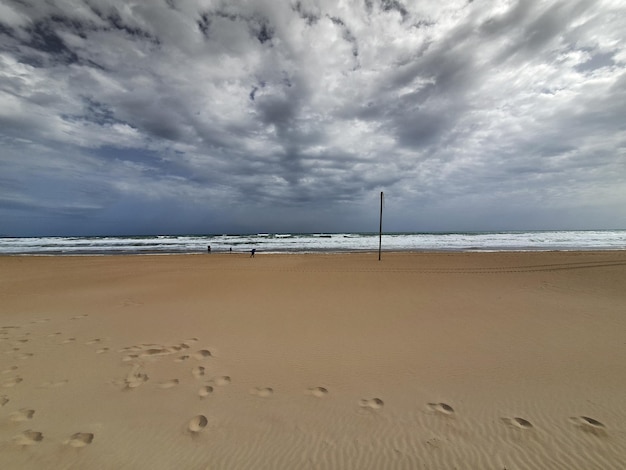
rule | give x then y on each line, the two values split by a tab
337	361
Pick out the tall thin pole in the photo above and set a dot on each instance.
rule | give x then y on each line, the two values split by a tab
380	228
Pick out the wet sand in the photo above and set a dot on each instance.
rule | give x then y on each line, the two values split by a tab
421	360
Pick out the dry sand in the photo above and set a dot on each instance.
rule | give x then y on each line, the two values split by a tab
422	360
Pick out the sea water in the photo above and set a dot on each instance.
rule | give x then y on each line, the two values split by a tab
320	242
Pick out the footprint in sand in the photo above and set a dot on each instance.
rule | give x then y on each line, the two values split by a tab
181	358
28	438
135	378
202	354
12	382
318	392
94	341
371	403
9	370
189	342
134	382
152	352
589	425
205	391
22	415
24	356
68	341
102	350
221	381
78	317
519	423
180	346
442	408
169	383
263	392
198	372
80	439
197	424
3	400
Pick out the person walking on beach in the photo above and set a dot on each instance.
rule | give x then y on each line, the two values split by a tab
252	252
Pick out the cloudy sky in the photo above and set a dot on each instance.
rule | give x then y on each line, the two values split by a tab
209	116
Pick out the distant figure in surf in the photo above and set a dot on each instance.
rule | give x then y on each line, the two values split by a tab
208	250
252	252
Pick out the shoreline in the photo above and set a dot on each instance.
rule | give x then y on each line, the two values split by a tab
325	252
443	360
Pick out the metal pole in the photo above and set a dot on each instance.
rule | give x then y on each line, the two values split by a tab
380	228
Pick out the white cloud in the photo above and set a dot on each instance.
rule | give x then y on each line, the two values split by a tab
459	105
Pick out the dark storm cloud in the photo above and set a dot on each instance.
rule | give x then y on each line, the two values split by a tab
250	111
307	11
346	34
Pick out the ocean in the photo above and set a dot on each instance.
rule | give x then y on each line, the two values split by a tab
318	243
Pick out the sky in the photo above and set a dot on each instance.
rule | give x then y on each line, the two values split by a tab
137	117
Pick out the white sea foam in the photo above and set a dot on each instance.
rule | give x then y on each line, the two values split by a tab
321	242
